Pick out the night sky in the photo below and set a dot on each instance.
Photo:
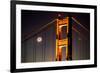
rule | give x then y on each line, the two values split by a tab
32	21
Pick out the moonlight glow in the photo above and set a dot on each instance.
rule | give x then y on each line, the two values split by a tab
39	39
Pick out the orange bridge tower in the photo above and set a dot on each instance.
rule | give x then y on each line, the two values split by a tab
64	42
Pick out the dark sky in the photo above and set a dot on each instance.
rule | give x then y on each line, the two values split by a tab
32	21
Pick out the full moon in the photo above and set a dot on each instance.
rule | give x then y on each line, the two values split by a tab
39	39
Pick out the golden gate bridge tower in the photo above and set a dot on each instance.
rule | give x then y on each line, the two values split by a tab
63	42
